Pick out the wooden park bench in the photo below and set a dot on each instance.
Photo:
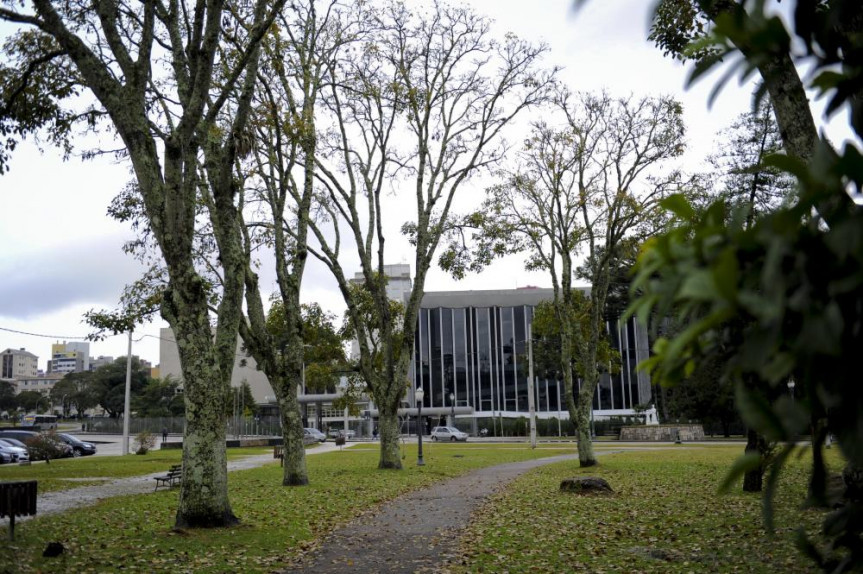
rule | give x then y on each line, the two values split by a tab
279	453
17	498
175	474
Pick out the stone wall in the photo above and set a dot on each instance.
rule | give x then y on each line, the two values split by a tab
662	433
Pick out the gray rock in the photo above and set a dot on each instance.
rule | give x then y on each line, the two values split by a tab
586	485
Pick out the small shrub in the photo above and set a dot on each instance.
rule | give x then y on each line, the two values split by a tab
45	446
144	442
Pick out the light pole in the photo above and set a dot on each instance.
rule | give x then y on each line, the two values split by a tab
127	396
791	385
452	407
418	395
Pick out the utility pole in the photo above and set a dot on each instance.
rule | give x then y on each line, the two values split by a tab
531	406
126	402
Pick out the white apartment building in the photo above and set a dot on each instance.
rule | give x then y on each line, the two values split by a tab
245	367
17	364
40	383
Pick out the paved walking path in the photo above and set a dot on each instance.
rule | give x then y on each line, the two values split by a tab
417	531
60	501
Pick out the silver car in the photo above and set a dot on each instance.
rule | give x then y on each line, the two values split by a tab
13	453
448	433
314	435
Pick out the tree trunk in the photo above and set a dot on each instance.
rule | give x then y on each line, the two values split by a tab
753	480
295	472
586	456
388	425
204	487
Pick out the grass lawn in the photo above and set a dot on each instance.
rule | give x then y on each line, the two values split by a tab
53	476
277	522
665	516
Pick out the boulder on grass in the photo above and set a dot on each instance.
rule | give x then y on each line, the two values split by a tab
586	485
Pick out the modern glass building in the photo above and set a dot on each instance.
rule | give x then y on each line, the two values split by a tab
473	345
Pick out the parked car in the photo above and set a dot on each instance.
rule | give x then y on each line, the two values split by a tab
10	452
79	447
335	433
24	436
314	435
448	433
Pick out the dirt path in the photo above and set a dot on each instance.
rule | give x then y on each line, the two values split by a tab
415	532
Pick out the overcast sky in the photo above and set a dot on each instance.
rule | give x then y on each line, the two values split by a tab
61	255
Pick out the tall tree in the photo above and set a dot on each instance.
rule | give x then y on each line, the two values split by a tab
109	384
7	396
79	389
279	182
748	183
33	401
421	105
153	71
592	186
159	398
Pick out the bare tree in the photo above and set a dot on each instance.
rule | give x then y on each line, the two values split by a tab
421	105
280	184
587	188
155	71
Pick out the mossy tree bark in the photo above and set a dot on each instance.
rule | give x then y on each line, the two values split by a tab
164	132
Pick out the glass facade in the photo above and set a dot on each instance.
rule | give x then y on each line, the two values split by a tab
479	356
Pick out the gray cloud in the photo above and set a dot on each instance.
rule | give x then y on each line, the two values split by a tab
92	270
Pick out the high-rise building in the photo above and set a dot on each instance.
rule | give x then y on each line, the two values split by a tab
17	364
71	357
472	346
100	361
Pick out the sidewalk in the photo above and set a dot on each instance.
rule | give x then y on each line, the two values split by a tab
416	532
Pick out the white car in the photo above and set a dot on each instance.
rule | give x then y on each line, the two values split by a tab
314	435
448	433
12	453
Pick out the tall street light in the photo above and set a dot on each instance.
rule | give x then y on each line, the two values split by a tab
452	406
418	396
791	385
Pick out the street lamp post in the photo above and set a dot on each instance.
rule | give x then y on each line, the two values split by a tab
418	395
791	385
452	406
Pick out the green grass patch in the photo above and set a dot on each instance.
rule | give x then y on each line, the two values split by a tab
665	516
277	522
57	474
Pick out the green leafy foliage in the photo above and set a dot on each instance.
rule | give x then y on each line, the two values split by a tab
8	400
33	401
35	78
546	334
75	391
108	383
705	396
782	298
240	397
747	182
323	344
159	398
